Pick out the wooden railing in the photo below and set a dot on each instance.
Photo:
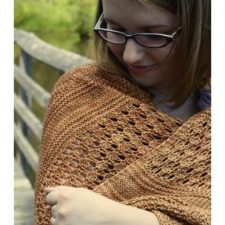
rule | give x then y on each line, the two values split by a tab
62	60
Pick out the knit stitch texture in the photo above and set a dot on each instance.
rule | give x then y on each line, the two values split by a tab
103	133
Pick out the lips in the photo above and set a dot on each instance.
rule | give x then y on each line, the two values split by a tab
140	69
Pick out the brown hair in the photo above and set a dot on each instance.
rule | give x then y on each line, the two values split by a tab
194	70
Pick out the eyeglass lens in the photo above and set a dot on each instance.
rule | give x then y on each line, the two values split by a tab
145	40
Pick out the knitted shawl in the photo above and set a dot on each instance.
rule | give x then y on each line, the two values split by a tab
103	133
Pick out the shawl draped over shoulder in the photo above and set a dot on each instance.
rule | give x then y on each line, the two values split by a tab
103	133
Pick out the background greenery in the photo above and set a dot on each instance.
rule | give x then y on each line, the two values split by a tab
64	23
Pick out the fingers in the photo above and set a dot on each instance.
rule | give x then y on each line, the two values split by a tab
52	198
53	221
49	189
58	188
54	211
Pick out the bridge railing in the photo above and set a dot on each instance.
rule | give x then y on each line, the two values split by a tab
31	47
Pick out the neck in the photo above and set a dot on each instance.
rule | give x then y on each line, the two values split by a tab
183	112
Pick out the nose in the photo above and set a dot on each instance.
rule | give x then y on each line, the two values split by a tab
133	52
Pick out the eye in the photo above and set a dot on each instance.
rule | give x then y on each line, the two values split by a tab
152	40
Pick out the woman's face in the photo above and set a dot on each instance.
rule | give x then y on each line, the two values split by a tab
149	67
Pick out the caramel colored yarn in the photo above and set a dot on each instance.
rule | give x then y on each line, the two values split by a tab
103	133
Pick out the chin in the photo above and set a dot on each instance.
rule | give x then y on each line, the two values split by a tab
143	82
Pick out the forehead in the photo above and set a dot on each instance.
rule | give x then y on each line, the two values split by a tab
137	13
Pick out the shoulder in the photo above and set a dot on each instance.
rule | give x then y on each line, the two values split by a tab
88	88
87	81
86	75
92	80
78	74
75	86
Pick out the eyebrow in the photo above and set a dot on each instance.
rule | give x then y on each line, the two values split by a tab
143	27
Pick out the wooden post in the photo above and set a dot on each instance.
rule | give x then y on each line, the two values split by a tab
26	66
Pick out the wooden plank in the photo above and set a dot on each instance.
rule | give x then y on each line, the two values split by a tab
26	148
58	58
23	198
28	117
25	62
34	90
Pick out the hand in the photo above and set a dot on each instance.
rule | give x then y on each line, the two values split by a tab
79	206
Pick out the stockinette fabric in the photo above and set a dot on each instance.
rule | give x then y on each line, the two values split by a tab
103	133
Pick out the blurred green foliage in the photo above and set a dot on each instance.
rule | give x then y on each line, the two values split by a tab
76	16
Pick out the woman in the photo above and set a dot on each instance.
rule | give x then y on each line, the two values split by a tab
127	141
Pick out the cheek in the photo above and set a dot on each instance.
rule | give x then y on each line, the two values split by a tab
174	57
117	50
166	55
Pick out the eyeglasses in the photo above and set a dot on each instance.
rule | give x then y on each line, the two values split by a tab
149	40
